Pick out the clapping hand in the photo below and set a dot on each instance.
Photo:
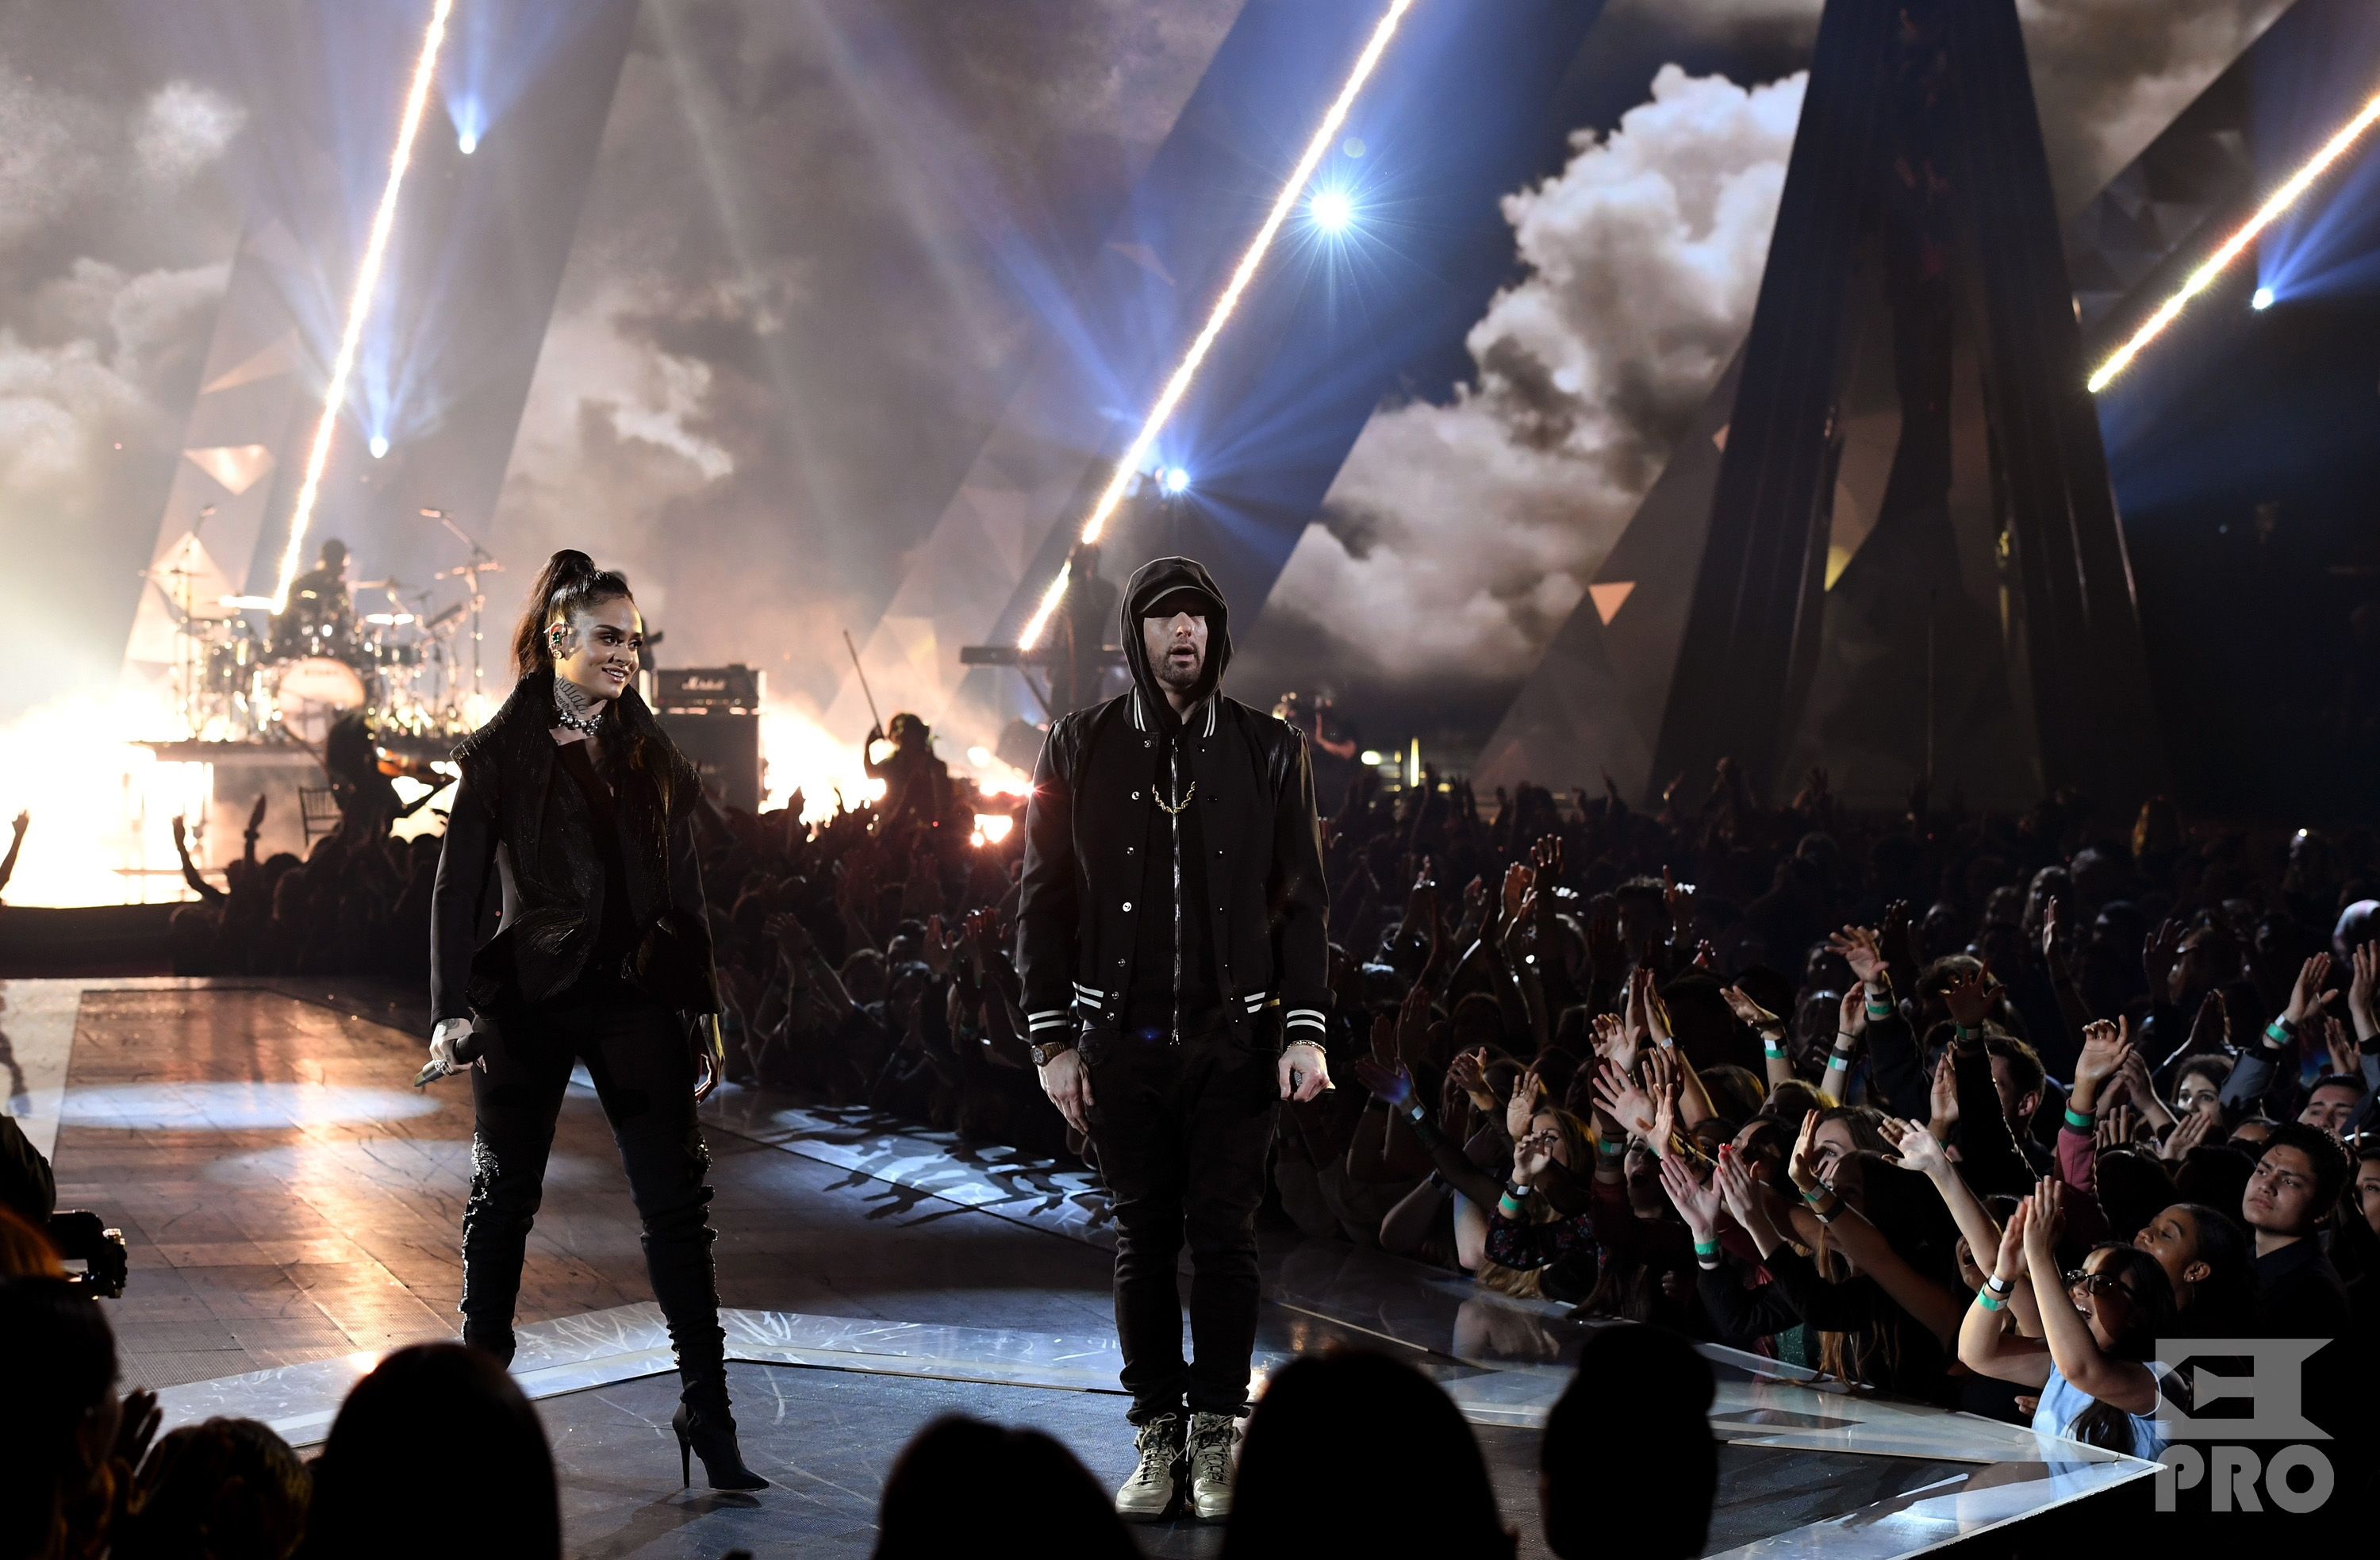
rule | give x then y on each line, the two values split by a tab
1754	1016
1613	1043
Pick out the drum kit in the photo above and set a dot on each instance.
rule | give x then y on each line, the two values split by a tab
249	675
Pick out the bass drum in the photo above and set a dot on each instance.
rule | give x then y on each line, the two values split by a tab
309	695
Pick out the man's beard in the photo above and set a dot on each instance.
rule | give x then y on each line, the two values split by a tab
1180	680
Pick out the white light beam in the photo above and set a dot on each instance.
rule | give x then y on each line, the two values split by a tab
2204	275
359	305
1176	386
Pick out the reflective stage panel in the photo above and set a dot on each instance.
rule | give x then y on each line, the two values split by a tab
294	1209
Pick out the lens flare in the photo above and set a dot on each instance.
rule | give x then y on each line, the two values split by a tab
1331	210
2202	279
2262	300
1129	465
359	305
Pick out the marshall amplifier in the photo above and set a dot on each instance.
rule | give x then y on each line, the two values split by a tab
708	687
724	749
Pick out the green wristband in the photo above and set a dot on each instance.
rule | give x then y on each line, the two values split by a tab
1986	1301
2080	1122
1506	1206
1773	1051
1706	1247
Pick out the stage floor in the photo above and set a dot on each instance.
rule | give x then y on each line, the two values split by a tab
292	1210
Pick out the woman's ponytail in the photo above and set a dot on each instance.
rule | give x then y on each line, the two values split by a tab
568	583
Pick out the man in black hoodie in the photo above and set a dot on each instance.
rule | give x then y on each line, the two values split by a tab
1175	961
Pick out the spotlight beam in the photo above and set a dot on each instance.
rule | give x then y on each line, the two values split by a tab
359	305
1176	386
2202	279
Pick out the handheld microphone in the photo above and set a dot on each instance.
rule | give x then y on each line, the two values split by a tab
467	1051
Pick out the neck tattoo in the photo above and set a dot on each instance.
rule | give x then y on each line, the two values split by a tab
572	709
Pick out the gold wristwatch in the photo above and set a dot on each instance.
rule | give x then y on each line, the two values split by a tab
1043	1055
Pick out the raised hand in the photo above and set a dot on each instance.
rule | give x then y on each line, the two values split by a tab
1969	996
2104	1050
937	948
2210	1033
2191	1132
1521	1109
2159	954
1921	1151
1802	1165
2049	930
2341	1047
1942	1097
2010	1264
1412	1025
1621	1099
1741	1192
1391	1083
1751	1013
1851	1014
2049	1219
1697	1201
255	817
1657	1016
1614	1043
2306	995
2363	976
1892	936
1663	1088
1384	1041
2116	1127
1857	947
1531	1155
1517	881
1468	1072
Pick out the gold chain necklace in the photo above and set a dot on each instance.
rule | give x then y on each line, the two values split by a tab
1174	807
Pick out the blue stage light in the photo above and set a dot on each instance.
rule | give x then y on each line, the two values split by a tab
1331	210
469	140
379	446
2264	298
1176	478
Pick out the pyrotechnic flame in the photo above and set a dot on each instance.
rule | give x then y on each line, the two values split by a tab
359	305
1129	465
102	806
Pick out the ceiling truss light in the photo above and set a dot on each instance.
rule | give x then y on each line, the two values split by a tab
425	70
2204	277
1129	465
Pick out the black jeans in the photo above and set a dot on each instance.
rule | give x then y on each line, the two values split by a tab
1180	1133
643	1068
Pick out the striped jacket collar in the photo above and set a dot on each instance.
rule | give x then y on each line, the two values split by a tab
1204	711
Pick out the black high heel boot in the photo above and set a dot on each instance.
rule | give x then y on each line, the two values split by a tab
711	1431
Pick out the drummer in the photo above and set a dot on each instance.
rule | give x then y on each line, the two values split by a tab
321	619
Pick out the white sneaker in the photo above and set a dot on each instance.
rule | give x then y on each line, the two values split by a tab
1148	1495
1213	1441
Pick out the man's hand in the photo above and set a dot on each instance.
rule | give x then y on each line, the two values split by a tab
1068	1084
1305	1072
2364	963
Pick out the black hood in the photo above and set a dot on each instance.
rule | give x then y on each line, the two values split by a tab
1151	583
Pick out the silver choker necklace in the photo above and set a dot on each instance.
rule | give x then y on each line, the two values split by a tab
572	709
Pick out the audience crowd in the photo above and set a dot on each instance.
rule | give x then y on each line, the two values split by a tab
1967	1107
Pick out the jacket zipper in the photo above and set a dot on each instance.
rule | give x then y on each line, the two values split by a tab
1174	764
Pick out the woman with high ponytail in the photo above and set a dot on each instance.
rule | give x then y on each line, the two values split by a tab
576	801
